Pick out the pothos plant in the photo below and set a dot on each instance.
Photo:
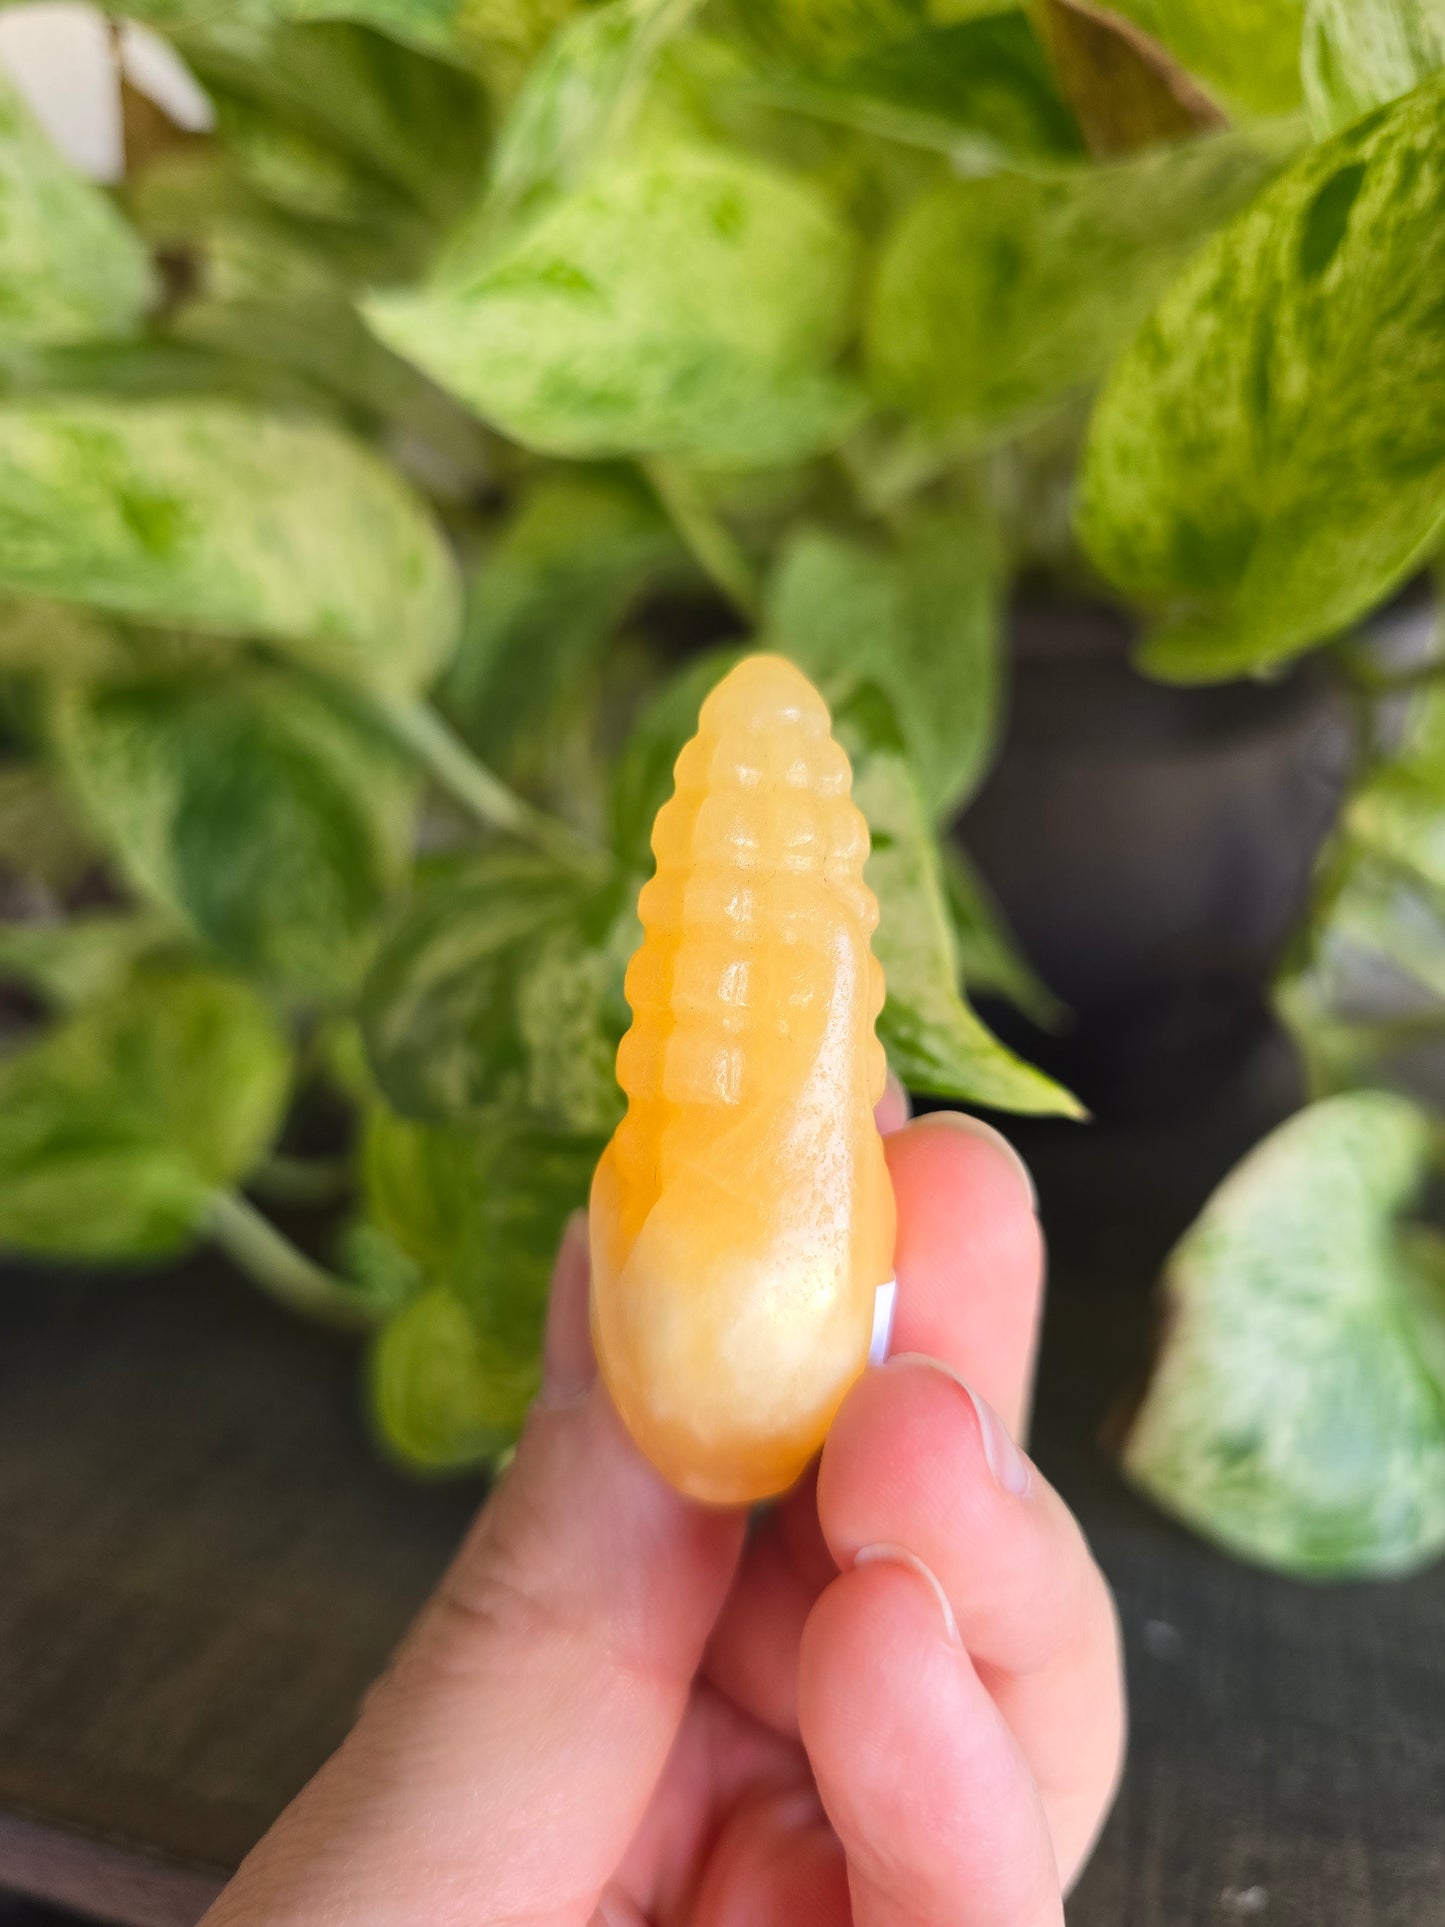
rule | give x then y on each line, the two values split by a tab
386	473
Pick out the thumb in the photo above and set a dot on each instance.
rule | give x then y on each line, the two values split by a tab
501	1766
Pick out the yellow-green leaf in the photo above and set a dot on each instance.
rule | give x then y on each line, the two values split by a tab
1268	459
684	300
70	267
211	515
1295	1416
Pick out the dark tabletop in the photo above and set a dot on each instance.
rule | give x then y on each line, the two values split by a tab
203	1563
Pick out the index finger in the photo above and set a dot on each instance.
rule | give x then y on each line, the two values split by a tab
969	1256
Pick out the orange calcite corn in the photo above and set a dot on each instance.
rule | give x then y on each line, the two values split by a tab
742	1217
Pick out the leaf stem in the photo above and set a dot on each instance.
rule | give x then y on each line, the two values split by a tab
713	545
269	1259
484	796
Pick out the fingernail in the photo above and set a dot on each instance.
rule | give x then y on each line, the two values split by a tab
894	1108
1008	1465
887	1554
614	1909
975	1127
885	1302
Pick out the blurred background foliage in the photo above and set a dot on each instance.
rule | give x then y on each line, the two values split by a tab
390	464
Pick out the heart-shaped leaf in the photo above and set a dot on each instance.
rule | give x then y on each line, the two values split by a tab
1296	1415
480	1212
499	991
118	1125
684	300
214	516
1268	459
263	814
919	622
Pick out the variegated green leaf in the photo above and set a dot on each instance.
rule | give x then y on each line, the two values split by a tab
262	814
1399	811
1268	459
684	300
996	299
212	515
445	1396
1296	1415
499	992
977	88
70	267
920	622
118	1125
579	97
1360	53
480	1212
546	600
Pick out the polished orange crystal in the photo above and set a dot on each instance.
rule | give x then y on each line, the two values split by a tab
742	1218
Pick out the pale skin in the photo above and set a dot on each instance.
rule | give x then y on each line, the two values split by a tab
896	1702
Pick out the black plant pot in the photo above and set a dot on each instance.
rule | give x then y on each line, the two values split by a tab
1153	849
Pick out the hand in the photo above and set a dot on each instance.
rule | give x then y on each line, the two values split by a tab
896	1702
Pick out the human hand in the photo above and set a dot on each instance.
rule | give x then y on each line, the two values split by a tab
897	1702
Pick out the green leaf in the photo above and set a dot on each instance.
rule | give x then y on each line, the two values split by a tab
997	299
500	991
70	268
1358	54
989	959
684	300
444	1395
116	1127
481	1213
208	514
479	1207
1294	1416
419	129
1364	995
255	289
824	34
495	37
1399	812
579	98
73	963
933	1039
979	90
547	599
1246	51
261	812
920	623
1365	1000
294	172
1268	459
